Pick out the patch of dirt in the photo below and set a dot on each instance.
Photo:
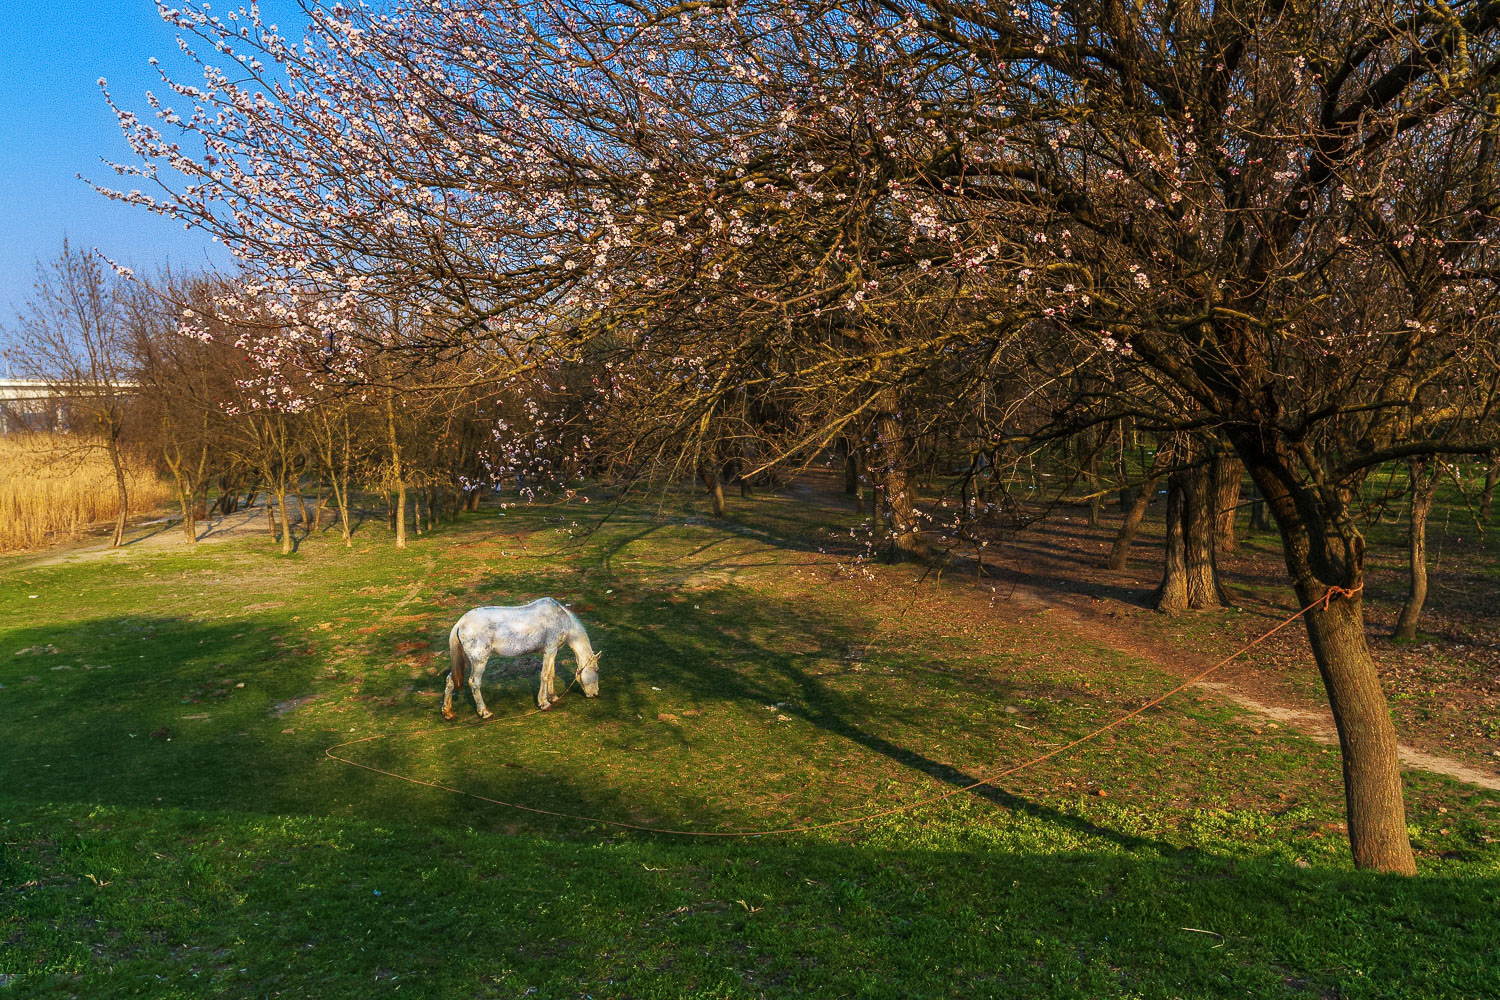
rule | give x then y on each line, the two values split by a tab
1319	726
291	705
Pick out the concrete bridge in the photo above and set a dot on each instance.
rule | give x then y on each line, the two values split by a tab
28	404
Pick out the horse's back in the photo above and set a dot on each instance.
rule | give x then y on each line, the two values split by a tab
514	629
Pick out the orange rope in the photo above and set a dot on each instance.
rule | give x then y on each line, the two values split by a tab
848	821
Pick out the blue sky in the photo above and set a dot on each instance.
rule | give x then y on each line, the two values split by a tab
54	125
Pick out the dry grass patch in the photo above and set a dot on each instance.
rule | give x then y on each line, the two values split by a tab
53	487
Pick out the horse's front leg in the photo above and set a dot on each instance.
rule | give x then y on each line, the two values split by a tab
476	679
544	698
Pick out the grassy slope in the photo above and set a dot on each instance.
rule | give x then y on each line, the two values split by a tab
746	683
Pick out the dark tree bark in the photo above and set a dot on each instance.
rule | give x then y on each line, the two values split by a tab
852	485
1424	478
1119	555
894	496
1324	550
1190	576
1227	474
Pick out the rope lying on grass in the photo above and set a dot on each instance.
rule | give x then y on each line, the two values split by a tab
828	824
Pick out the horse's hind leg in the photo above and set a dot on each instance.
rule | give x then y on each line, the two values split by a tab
448	699
544	698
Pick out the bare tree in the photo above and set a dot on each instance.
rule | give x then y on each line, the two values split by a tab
72	334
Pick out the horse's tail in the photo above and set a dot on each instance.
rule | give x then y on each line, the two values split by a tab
456	658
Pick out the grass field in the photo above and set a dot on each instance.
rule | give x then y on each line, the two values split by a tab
172	827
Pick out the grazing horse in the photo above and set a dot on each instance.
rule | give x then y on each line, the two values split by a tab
539	627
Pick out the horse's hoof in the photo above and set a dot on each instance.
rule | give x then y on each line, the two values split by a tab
448	714
486	716
542	706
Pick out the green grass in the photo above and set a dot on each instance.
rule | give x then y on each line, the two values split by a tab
746	683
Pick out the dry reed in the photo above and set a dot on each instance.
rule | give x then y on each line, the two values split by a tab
54	487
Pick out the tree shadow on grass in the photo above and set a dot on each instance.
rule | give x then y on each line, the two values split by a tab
217	715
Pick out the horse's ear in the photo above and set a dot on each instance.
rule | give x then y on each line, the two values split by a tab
598	653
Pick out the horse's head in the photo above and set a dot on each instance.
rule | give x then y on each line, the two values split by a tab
588	677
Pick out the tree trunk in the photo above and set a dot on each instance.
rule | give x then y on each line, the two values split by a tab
319	500
1487	498
341	497
1096	499
893	492
112	442
1324	549
1227	475
307	528
187	501
1367	737
1424	479
715	485
286	525
271	517
1258	520
1190	576
1127	494
1120	554
396	472
851	468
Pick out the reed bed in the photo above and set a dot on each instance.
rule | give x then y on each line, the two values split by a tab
55	487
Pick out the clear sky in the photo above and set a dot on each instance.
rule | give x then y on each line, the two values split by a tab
54	125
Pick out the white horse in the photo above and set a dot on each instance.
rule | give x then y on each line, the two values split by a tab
539	627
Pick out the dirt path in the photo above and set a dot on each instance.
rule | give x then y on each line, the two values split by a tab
1316	724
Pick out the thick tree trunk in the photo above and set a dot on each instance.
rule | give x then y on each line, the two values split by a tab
1172	593
1424	479
1324	549
1190	576
1227	475
894	497
1119	555
1367	737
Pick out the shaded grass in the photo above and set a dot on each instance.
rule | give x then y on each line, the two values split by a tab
746	683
